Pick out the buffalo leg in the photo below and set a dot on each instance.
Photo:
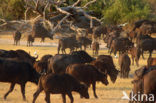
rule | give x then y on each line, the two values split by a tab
93	52
132	60
47	98
23	91
84	48
94	89
71	97
142	53
39	90
97	52
10	90
64	98
137	62
150	54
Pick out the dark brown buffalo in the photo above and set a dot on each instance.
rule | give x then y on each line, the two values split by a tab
121	44
85	42
113	35
67	42
88	74
137	84
20	55
99	31
103	30
124	62
95	48
59	62
39	31
41	66
138	23
133	52
16	72
149	84
145	26
105	64
141	37
30	40
144	82
147	45
60	84
151	62
17	37
46	57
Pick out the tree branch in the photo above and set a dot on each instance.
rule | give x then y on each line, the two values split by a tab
76	3
54	29
44	15
85	6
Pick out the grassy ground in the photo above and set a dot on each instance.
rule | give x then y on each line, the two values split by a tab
107	94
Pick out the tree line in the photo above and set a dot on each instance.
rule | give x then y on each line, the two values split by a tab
109	11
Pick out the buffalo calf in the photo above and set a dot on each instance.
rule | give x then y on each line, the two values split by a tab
124	62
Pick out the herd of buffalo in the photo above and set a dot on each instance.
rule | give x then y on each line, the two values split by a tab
76	71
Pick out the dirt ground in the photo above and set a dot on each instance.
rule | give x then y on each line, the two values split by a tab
107	94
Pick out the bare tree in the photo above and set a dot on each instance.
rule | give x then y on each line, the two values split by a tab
62	16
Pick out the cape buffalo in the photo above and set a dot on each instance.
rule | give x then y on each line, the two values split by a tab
60	84
30	40
59	62
85	42
16	72
17	37
124	62
46	57
147	45
41	66
95	47
105	64
134	55
68	42
121	44
20	55
88	74
144	83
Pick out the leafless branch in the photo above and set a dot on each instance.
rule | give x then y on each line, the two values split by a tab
44	15
78	30
25	13
89	3
54	29
76	3
62	11
89	17
3	20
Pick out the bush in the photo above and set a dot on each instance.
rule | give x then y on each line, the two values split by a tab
122	11
12	9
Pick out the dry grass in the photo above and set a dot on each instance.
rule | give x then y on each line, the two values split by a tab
107	94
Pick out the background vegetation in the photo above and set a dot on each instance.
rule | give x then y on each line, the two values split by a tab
110	11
